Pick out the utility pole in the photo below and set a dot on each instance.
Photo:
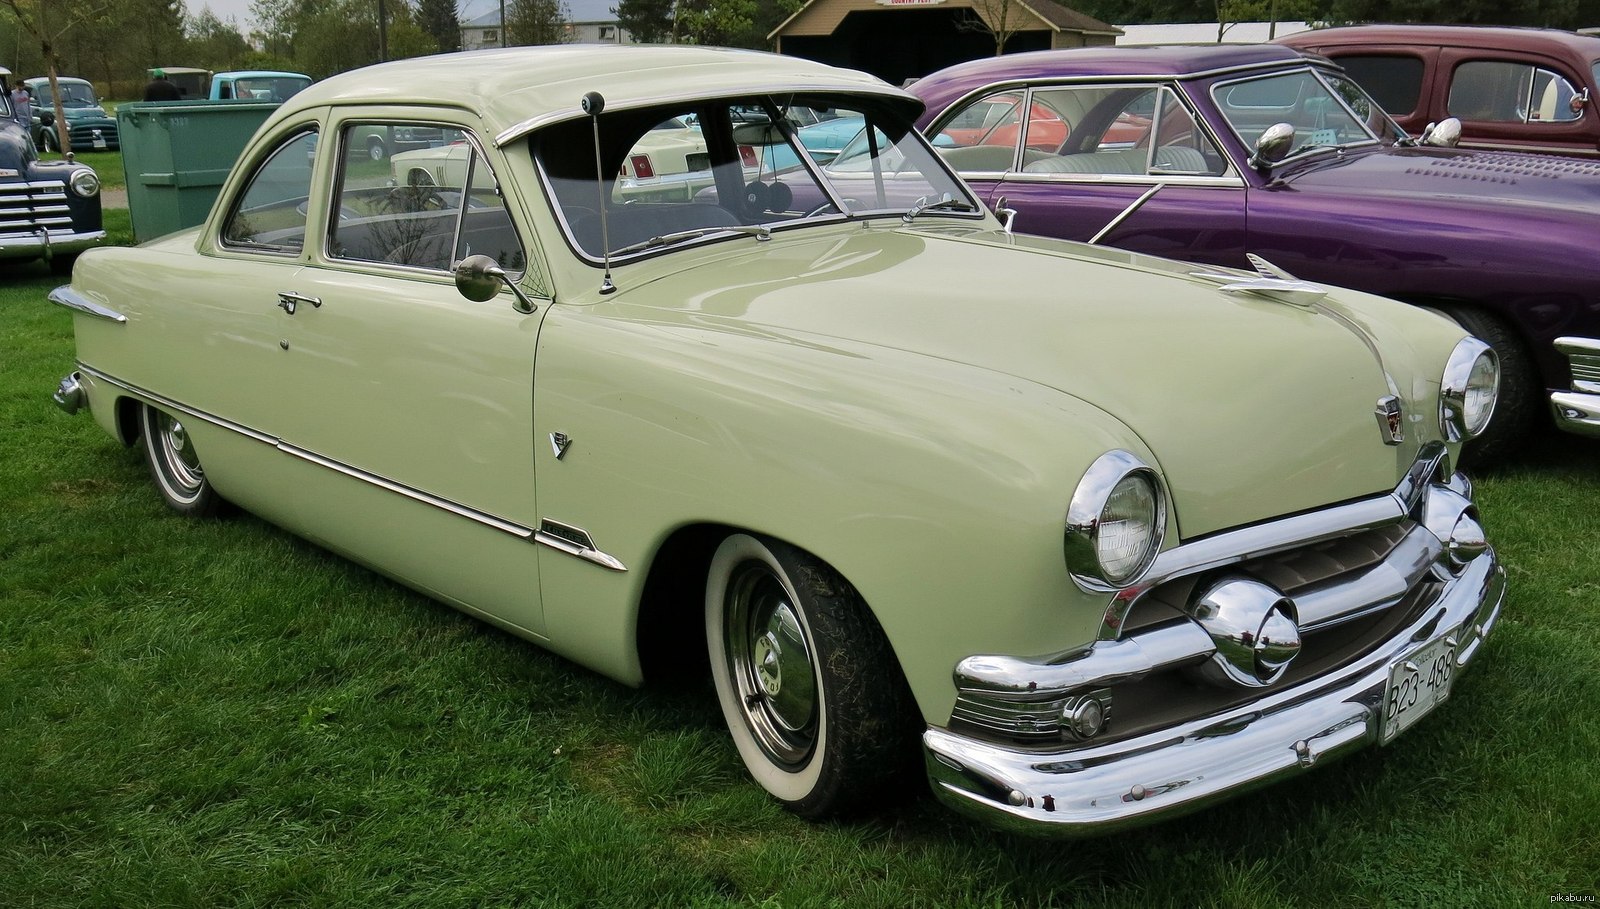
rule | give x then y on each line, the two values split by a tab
383	34
503	41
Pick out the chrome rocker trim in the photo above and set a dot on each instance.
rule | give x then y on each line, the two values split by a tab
1578	411
571	540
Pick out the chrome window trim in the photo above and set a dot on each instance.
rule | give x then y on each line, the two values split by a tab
71	299
484	518
1231	180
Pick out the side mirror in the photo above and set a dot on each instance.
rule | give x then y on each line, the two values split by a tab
479	279
1445	134
1273	145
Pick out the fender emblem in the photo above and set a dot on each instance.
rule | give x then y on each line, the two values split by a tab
1391	420
559	443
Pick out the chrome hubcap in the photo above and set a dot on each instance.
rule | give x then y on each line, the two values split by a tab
771	664
182	463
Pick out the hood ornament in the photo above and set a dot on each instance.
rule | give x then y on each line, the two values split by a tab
1274	283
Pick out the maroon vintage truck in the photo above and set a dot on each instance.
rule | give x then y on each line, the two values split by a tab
1519	89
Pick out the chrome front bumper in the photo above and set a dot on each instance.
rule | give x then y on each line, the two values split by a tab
1578	411
1088	789
37	245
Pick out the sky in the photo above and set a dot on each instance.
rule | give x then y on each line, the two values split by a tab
239	10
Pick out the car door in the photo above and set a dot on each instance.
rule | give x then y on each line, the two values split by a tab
419	399
1518	102
1120	142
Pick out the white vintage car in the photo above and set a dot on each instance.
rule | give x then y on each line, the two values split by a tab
1097	538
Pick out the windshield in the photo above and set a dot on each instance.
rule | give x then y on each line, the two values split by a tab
1322	116
269	88
715	170
72	95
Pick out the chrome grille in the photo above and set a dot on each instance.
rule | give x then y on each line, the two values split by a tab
27	207
1583	354
1586	369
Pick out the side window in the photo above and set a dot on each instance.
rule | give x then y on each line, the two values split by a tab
982	137
1126	130
1395	82
270	215
1501	92
428	206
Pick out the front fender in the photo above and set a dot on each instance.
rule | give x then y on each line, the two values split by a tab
938	489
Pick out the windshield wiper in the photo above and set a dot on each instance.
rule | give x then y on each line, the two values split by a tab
758	231
945	204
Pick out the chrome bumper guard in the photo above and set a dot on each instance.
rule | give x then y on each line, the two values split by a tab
1088	789
1578	411
70	395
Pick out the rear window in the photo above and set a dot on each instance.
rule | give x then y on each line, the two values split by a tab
1395	82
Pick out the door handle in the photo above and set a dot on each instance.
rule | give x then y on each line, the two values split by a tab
289	301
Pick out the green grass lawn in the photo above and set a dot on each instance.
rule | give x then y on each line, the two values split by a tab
106	164
218	713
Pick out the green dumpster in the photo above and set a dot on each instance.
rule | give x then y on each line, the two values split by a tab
177	154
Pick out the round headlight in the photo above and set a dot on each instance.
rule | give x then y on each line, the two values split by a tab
1468	391
85	183
1115	522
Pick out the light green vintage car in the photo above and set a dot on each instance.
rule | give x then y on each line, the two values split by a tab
1096	537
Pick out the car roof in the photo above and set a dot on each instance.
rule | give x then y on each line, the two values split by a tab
1475	36
59	79
1151	60
519	89
260	74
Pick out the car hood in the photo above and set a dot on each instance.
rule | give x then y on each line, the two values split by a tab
1253	407
1454	173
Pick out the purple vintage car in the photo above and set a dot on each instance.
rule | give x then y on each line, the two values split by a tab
1211	153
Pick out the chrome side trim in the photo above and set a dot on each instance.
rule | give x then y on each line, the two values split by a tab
1570	150
575	541
71	299
587	552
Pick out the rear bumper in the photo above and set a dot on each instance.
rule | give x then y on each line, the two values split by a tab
1093	791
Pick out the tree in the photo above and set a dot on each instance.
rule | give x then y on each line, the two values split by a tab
31	18
438	18
1000	19
215	44
648	21
537	22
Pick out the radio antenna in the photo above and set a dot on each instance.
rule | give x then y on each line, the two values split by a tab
593	104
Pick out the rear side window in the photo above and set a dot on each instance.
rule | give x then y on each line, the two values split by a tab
1503	92
1395	82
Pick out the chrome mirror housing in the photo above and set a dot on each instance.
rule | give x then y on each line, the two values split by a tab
1444	134
1273	145
479	279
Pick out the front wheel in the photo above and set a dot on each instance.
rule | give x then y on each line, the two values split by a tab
175	466
375	149
808	684
48	140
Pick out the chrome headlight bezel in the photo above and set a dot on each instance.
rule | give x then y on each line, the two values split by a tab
84	182
1462	415
1086	513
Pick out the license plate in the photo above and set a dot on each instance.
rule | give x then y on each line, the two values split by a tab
99	143
1417	684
